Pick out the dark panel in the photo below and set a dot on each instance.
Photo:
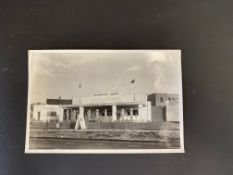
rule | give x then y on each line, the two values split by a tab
151	98
58	101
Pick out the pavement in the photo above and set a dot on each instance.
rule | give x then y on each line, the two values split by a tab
166	138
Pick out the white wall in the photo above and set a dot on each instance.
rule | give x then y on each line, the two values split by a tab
44	109
172	111
145	113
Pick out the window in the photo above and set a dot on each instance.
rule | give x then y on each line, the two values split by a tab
135	112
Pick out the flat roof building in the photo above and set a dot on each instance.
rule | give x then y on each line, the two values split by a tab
110	107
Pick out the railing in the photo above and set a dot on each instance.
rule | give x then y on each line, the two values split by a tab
53	118
99	119
126	118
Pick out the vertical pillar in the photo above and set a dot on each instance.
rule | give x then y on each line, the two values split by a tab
140	112
114	111
122	114
89	114
73	115
61	113
97	113
149	111
105	112
81	111
131	114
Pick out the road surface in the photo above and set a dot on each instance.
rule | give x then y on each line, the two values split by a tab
51	143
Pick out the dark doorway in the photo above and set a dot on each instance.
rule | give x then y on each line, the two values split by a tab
164	114
39	116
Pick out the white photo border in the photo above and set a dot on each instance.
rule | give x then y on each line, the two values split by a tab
102	151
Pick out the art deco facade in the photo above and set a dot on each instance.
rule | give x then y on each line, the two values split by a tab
110	108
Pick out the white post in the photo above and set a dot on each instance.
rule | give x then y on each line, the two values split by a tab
114	111
131	114
89	114
61	113
140	112
149	111
97	114
105	114
123	114
81	111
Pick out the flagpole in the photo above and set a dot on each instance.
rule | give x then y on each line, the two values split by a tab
79	97
134	92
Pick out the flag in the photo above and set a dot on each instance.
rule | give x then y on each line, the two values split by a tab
132	81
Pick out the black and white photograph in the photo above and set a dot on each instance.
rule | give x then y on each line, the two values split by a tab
104	101
116	87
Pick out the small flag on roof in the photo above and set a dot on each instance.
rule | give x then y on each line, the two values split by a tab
132	81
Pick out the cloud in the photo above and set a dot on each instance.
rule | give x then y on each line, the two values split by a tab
164	69
157	56
52	64
170	56
39	65
132	69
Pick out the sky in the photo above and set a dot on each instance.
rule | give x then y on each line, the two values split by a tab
84	74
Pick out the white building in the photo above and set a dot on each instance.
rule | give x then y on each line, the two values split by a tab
100	107
47	113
